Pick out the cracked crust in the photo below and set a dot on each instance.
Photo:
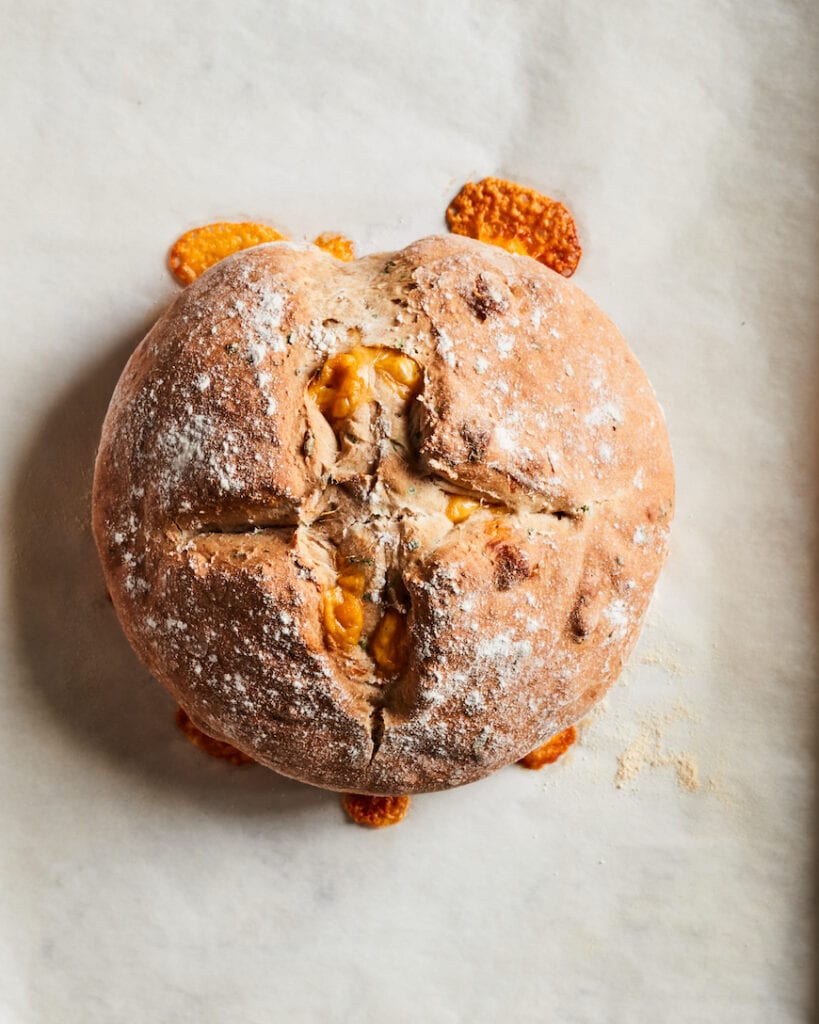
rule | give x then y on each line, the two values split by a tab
224	502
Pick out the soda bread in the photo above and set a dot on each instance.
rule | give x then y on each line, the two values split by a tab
384	526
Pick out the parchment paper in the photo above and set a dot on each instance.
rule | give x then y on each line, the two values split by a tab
664	870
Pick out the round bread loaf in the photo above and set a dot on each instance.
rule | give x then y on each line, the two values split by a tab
385	526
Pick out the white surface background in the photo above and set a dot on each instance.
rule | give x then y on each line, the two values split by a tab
142	882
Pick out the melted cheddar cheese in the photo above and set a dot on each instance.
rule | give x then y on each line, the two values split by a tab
344	608
459	509
388	643
349	379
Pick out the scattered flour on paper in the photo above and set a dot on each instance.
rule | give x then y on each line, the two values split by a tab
649	750
665	659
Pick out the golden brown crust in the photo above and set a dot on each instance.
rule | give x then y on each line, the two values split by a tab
223	502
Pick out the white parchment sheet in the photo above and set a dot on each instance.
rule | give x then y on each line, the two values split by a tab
664	870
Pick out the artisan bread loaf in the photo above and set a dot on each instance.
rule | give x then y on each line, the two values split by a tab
384	526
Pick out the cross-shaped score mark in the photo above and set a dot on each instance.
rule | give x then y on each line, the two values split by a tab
344	383
365	394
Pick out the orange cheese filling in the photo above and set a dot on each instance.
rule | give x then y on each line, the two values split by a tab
375	811
344	607
517	219
388	645
550	751
349	379
459	509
